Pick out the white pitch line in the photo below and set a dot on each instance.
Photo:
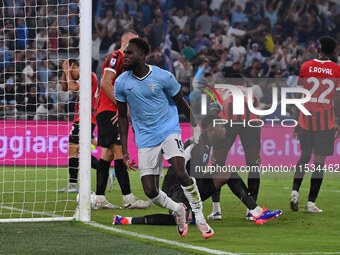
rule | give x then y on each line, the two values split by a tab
26	211
55	217
142	236
287	188
298	253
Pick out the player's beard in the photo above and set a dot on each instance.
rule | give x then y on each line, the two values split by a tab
130	66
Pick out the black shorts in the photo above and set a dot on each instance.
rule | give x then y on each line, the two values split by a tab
250	137
107	133
317	142
74	134
92	129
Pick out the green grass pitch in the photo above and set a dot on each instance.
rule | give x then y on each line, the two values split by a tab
292	232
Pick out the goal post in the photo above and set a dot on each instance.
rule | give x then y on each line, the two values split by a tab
85	111
36	116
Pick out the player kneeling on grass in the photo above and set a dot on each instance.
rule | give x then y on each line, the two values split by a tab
198	155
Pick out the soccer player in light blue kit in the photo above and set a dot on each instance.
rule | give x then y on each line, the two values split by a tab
153	96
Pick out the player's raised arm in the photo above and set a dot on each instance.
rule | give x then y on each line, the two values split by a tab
183	105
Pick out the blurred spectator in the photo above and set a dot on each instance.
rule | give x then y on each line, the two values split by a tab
108	28
254	18
4	57
42	110
180	20
204	23
173	38
279	58
238	52
30	70
238	16
215	4
200	41
270	12
138	23
253	53
218	38
145	8
156	58
188	51
157	35
125	22
44	71
310	53
21	34
183	36
53	91
132	7
183	73
120	7
97	36
41	40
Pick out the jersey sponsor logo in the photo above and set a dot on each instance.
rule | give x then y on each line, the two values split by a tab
313	69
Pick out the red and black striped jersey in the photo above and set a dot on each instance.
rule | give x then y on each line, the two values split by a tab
112	63
321	78
94	87
227	107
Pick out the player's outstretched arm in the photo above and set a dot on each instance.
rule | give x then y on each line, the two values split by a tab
123	125
337	110
183	105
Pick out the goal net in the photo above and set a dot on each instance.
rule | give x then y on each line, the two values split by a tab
36	115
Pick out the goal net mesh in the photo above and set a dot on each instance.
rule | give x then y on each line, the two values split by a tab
36	116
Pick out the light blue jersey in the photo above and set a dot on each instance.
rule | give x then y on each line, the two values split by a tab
153	112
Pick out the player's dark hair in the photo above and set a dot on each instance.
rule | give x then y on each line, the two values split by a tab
141	44
208	120
327	44
73	61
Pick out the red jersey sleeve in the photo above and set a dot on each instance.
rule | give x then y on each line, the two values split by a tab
114	62
94	89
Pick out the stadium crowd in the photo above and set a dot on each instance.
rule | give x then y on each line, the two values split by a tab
202	39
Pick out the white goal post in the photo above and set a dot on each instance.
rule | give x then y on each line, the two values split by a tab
35	116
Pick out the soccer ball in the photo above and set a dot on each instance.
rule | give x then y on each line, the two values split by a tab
93	199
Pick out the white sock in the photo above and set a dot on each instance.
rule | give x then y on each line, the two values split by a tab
164	201
128	197
129	219
194	198
257	211
100	198
216	207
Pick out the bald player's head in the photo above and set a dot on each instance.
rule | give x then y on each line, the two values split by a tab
126	37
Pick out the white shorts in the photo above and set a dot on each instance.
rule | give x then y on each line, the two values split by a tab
150	159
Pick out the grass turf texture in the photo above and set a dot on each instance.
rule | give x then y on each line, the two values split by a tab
68	238
292	232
